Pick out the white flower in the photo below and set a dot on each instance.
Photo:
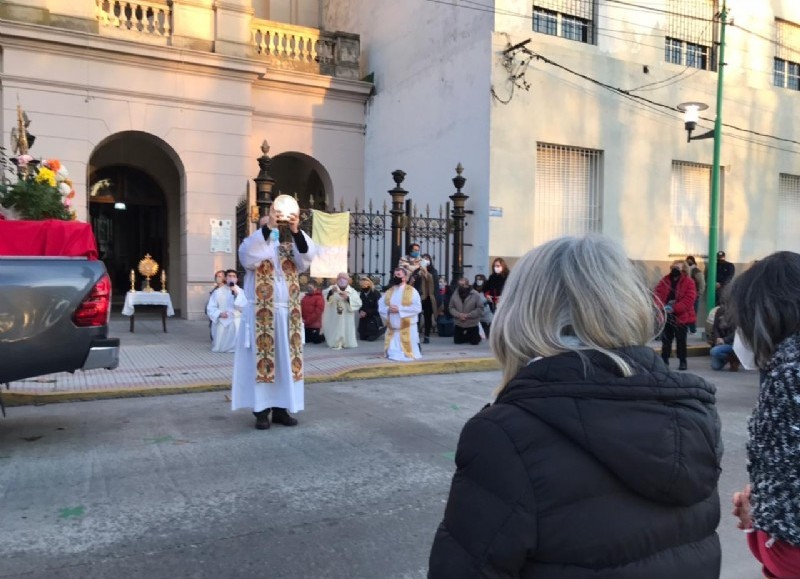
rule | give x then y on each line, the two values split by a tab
64	188
62	174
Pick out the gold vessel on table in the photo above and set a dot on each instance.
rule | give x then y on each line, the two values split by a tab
148	268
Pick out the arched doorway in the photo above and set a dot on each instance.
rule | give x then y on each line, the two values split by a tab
135	185
299	175
129	220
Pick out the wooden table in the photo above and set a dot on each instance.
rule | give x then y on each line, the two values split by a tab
154	298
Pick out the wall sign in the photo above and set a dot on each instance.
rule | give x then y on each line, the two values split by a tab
220	236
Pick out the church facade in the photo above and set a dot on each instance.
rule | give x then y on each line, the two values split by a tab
159	111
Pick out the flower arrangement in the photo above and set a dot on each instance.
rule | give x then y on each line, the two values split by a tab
34	189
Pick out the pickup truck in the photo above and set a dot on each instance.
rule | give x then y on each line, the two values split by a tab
54	310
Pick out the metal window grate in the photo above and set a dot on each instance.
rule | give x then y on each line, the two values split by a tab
788	212
691	20
570	19
689	201
787	40
690	33
583	9
567	196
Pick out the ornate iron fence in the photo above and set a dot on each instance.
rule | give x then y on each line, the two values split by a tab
432	233
242	229
369	247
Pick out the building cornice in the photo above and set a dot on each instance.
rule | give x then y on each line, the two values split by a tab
316	121
78	44
97	47
315	85
90	92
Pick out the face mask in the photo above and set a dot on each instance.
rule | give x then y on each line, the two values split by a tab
745	354
463	291
274	234
479	282
442	286
397	280
342	283
424	262
498	269
675	273
414	254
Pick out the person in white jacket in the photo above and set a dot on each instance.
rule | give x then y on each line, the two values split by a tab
224	309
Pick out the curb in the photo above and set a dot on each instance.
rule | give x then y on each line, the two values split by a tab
394	370
390	370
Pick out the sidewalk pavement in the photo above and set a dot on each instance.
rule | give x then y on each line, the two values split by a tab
155	363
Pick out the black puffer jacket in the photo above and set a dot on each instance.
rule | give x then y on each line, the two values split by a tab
577	472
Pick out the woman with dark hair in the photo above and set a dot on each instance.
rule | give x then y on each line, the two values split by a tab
493	288
765	306
370	325
595	460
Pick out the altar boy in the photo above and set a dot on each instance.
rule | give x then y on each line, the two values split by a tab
225	311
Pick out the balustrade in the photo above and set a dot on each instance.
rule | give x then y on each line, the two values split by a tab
146	18
292	43
306	49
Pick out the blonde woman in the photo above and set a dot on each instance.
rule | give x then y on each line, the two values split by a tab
595	460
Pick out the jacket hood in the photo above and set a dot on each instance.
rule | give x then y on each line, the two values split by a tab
656	430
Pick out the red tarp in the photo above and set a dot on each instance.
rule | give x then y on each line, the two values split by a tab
51	237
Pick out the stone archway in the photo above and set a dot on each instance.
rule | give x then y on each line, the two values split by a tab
300	175
136	184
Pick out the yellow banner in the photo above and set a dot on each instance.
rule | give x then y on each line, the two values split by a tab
331	234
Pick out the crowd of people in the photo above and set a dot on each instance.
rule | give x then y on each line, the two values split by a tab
340	314
632	497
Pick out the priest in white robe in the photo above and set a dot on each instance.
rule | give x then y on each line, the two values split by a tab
400	307
268	364
224	309
342	302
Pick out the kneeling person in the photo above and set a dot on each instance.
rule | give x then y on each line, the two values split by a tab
466	307
400	306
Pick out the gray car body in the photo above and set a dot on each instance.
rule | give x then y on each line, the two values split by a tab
38	298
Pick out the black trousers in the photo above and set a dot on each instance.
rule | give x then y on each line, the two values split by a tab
675	332
467	335
313	336
427	315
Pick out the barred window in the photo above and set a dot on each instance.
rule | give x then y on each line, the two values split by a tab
571	19
568	192
690	33
690	197
787	55
788	212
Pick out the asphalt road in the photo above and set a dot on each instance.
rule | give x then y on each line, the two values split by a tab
179	486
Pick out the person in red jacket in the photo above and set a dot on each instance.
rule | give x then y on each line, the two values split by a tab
676	292
312	306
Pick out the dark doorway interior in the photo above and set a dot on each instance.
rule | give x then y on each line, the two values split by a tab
129	217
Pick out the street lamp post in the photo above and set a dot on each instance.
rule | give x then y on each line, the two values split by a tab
264	181
691	116
459	217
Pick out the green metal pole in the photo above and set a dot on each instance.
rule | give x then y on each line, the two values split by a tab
713	226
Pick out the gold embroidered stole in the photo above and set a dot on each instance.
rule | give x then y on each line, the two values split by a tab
265	316
405	323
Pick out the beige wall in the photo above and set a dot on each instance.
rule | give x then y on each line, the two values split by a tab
639	143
